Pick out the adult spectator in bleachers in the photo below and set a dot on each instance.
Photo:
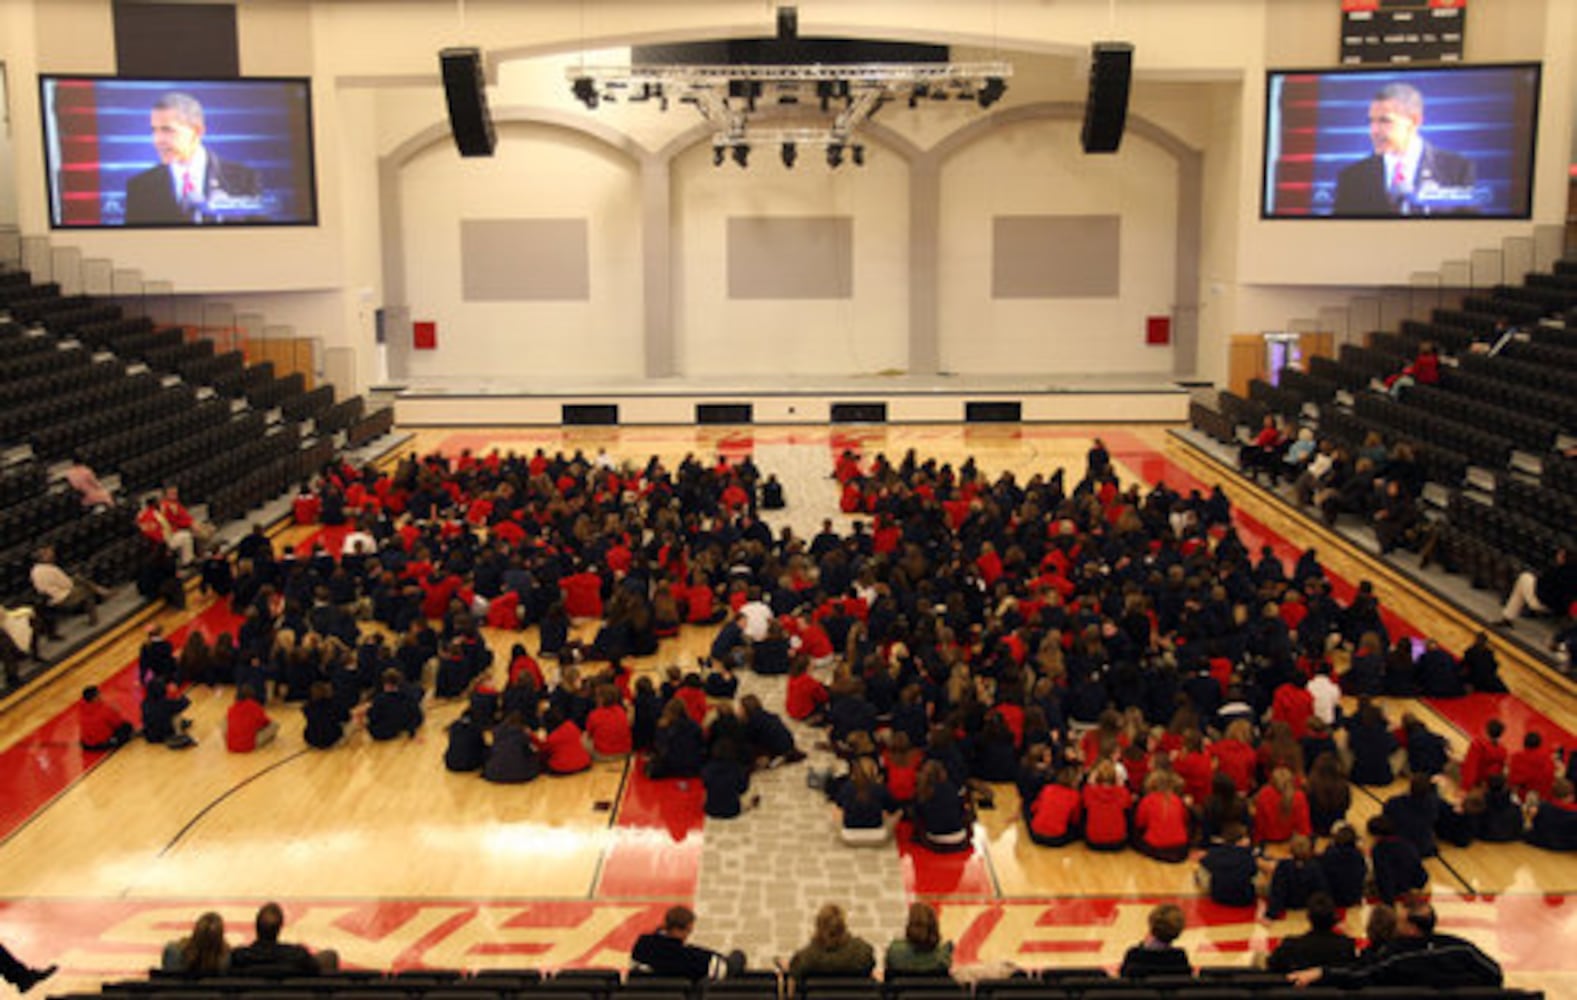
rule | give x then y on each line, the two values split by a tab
268	956
20	634
81	477
832	949
155	527
1158	954
24	977
1322	946
63	593
921	951
180	518
99	726
1550	592
1419	957
667	951
203	952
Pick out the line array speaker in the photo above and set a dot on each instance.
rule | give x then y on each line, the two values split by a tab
1106	110
466	92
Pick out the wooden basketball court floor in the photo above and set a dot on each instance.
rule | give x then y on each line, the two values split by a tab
380	853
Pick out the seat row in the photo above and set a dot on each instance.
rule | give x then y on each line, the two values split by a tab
1068	984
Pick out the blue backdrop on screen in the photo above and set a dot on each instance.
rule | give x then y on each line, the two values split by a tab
1317	125
98	138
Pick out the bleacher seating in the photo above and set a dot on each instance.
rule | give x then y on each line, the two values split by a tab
79	378
607	984
1507	413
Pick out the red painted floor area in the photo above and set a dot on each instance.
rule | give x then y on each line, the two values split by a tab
928	873
1471	713
49	760
656	850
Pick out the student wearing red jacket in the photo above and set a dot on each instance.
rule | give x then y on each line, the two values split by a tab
1106	801
562	749
99	725
582	594
806	697
247	726
1235	757
1531	769
1054	815
1293	705
1485	756
608	725
1193	765
1160	823
1281	809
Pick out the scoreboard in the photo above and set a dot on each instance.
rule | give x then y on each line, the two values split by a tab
1402	31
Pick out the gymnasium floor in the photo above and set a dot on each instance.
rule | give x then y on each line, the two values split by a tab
380	853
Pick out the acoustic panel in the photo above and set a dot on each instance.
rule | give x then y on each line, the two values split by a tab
777	257
524	260
1055	256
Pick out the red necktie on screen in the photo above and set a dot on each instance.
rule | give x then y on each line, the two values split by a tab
188	189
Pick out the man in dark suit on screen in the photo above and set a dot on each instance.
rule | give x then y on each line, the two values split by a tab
191	178
1406	175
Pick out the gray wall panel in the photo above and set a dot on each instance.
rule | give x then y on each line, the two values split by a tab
773	257
1055	256
524	260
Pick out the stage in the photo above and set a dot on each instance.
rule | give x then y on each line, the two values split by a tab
897	399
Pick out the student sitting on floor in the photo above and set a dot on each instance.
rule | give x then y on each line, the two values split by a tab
1053	815
865	806
941	813
1228	869
1106	803
1344	865
100	726
1295	879
726	780
1554	824
1398	869
1160	822
562	744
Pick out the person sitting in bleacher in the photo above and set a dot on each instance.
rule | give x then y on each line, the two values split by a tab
1551	592
1157	954
832	949
667	951
63	593
1419	957
203	952
921	951
268	956
1323	946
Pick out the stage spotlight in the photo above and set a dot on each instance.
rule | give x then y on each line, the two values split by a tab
585	90
719	154
835	155
992	92
742	155
824	92
917	93
859	156
790	154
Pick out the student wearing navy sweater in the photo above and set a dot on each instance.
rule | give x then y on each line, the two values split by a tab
1344	865
726	781
1414	814
678	745
1398	869
1295	879
865	805
1227	871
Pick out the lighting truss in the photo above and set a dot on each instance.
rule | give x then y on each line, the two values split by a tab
747	104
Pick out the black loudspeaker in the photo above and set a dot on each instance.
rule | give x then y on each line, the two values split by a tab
788	24
1106	111
466	92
